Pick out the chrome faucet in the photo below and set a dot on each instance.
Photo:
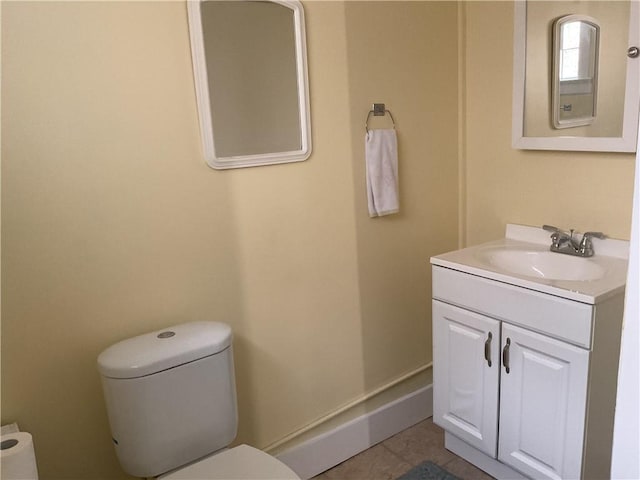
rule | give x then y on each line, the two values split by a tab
562	242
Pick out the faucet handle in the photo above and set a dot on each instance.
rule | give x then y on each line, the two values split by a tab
586	248
594	235
557	235
557	232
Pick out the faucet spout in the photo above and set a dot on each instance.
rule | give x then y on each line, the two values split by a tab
564	243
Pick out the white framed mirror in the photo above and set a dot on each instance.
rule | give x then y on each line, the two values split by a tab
603	96
250	70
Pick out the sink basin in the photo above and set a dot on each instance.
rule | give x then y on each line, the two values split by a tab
542	264
522	259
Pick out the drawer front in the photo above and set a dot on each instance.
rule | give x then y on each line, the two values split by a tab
554	316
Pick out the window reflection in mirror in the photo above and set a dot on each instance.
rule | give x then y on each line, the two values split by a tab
575	72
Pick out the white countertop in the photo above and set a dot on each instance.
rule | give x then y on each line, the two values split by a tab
610	254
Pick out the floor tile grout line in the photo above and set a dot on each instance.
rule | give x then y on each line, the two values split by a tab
398	456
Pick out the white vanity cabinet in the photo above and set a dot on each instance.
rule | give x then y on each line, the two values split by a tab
524	380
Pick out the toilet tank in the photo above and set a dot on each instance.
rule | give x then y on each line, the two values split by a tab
170	396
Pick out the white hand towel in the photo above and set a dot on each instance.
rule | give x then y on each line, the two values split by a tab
381	153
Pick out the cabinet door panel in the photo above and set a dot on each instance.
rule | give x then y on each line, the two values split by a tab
465	386
542	405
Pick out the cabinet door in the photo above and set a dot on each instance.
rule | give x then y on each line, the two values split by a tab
466	365
542	404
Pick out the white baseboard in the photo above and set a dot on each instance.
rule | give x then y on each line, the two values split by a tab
327	450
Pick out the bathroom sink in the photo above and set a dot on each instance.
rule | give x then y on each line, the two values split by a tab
522	258
542	264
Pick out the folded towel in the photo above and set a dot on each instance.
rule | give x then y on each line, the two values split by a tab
381	153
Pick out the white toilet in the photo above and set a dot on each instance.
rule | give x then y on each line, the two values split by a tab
171	401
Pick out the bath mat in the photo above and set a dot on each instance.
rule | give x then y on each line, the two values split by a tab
428	471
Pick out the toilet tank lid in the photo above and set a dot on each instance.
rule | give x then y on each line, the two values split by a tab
163	349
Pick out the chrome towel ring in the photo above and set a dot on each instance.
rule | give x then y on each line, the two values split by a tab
378	110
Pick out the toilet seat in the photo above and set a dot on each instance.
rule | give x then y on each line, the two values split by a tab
241	462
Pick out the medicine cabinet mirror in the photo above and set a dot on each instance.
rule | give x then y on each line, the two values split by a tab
576	75
251	82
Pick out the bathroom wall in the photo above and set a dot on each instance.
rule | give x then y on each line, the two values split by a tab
112	225
580	190
403	54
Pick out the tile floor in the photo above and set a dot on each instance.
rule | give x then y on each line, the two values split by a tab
400	453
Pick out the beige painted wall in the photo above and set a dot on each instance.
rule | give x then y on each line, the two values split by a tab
396	55
113	225
585	191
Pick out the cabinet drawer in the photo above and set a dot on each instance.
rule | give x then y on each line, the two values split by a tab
558	317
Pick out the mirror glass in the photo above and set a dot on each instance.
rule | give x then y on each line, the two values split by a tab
249	62
595	106
575	71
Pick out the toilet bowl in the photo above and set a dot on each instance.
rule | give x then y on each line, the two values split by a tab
241	462
171	402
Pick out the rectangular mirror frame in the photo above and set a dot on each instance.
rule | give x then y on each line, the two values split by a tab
203	97
626	143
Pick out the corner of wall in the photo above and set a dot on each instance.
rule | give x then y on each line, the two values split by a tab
462	104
